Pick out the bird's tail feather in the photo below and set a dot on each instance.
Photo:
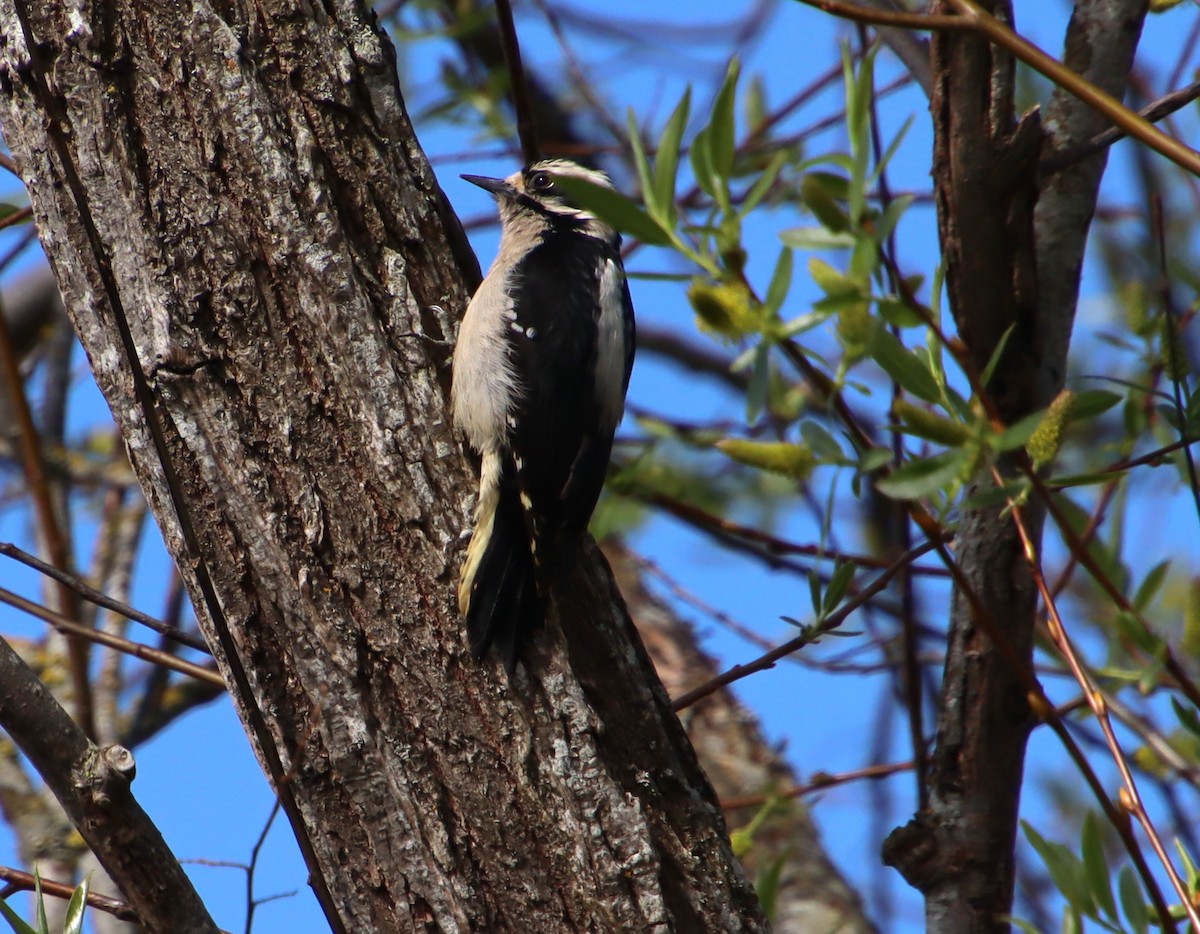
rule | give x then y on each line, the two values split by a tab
503	606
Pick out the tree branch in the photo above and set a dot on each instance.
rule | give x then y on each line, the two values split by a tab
92	785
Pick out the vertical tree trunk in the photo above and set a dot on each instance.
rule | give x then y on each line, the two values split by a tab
239	188
1013	243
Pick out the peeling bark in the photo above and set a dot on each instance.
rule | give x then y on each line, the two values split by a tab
243	185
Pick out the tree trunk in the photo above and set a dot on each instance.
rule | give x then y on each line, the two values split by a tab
266	279
1013	242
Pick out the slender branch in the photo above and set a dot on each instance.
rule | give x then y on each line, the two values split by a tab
19	881
518	87
93	786
1140	129
55	542
100	637
818	782
1129	796
876	17
973	18
1152	113
92	595
810	635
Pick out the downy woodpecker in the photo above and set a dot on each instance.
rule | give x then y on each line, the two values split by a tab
540	372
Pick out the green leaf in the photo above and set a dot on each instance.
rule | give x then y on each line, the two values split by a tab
873	459
899	313
1065	869
1023	925
839	583
666	161
1149	587
993	496
1015	436
902	365
14	920
767	885
781	282
700	155
824	445
763	183
723	128
816	238
760	382
1131	901
921	477
642	163
1092	402
994	359
814	592
40	901
888	153
891	216
1095	867
76	909
1187	716
614	208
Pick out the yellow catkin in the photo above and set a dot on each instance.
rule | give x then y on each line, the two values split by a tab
791	460
722	309
1043	445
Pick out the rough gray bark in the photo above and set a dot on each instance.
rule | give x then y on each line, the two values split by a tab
241	185
1013	244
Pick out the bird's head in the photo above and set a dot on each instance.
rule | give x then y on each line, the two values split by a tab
534	194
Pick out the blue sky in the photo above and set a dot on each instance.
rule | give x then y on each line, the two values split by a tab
199	780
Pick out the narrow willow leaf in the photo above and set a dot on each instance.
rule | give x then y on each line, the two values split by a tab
615	208
816	238
1092	402
891	217
839	583
920	478
902	365
1149	587
993	496
763	183
994	359
781	282
14	920
666	161
760	382
723	128
642	163
700	155
76	909
1131	901
823	444
1095	867
1065	869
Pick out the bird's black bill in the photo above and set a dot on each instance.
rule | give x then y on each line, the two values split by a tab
496	186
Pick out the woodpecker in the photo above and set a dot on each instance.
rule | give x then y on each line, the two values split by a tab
541	368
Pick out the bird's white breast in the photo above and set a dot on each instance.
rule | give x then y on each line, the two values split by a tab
485	387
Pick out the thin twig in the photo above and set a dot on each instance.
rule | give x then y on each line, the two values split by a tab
827	625
92	595
88	634
19	881
1129	796
818	782
53	539
526	130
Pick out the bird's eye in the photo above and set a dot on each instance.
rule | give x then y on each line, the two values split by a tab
541	181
